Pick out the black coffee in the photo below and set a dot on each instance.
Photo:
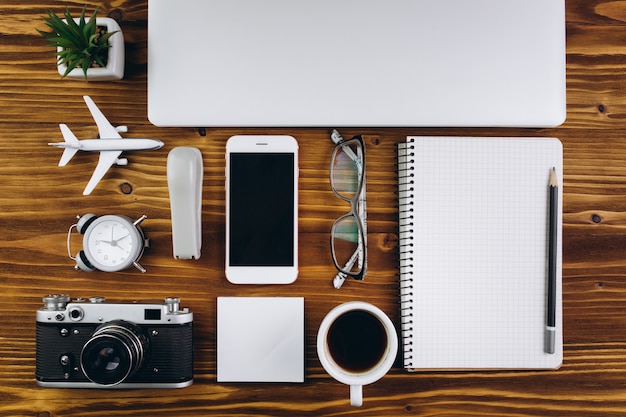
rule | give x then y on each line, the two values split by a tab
357	341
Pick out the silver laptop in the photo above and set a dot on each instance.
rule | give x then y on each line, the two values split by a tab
359	63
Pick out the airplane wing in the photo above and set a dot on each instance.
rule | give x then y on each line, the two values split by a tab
107	158
105	128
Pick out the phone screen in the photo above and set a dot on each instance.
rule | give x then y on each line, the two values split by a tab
261	209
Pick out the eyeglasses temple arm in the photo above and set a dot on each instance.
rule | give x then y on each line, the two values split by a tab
340	278
336	138
363	216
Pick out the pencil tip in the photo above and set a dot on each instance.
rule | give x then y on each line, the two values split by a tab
553	180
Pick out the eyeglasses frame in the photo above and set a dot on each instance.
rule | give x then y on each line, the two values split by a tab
357	210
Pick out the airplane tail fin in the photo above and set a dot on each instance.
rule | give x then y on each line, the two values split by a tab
69	137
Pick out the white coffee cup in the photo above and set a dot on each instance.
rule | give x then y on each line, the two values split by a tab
357	344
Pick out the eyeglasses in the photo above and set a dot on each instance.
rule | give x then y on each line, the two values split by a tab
348	235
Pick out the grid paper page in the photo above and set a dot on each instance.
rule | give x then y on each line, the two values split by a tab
479	256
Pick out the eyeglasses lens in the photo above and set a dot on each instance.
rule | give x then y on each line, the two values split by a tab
346	244
346	169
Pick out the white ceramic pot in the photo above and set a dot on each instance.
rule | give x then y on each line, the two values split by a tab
115	64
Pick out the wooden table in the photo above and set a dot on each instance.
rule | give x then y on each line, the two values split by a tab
39	201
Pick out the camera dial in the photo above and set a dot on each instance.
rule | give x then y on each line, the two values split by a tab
173	305
56	301
114	353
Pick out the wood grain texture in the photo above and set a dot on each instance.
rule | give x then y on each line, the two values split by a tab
39	201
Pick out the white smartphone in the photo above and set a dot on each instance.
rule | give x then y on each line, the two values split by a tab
261	209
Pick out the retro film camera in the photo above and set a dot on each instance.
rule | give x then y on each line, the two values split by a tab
96	344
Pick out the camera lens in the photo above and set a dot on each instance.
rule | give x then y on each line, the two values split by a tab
115	351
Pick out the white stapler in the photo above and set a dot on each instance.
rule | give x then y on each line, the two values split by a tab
184	180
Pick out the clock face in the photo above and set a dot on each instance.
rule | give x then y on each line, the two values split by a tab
112	243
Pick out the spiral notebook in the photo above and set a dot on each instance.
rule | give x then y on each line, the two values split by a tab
473	230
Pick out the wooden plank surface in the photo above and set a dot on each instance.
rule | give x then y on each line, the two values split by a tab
39	201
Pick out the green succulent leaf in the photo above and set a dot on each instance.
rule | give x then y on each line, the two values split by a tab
80	42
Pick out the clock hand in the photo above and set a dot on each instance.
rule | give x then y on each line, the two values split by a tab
113	242
122	238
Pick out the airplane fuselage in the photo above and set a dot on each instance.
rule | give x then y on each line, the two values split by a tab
110	145
97	145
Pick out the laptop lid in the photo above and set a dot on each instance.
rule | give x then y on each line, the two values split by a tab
356	63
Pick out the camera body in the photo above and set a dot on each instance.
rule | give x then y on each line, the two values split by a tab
91	343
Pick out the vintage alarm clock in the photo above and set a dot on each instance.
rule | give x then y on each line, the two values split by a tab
110	243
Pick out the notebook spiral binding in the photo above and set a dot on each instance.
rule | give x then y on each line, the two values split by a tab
405	153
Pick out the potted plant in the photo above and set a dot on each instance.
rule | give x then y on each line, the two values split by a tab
88	49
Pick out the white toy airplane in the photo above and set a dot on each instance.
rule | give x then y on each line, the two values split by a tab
110	145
